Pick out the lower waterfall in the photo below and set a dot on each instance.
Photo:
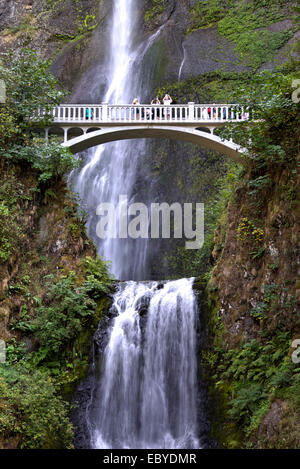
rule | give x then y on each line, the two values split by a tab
146	396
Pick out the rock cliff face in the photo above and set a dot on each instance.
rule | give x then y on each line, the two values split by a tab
245	269
253	315
73	35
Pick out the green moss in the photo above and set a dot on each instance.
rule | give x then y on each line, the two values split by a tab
157	8
246	25
156	60
26	26
214	87
206	13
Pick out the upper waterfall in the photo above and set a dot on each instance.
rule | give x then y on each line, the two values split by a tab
112	170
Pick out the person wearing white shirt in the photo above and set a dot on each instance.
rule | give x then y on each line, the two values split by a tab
167	102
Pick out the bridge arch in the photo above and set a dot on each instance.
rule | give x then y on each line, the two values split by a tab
187	134
74	132
92	129
205	129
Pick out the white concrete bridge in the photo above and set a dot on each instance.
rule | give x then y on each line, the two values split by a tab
85	126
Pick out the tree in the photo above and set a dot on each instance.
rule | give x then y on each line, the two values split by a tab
272	136
29	86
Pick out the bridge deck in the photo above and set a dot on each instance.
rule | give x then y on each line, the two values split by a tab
107	123
209	115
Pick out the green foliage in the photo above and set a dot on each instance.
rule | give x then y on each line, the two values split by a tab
50	160
259	184
11	233
29	86
259	311
5	251
216	87
31	384
257	252
67	306
8	126
258	47
246	399
90	22
64	316
276	301
245	24
251	15
158	7
260	372
207	12
216	216
98	279
272	138
31	409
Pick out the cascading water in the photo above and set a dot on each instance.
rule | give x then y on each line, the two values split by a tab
146	395
111	170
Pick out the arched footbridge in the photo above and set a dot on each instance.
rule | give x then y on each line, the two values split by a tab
85	126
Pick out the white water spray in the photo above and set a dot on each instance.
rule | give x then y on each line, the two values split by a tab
147	396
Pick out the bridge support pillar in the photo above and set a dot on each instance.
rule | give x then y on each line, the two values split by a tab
65	134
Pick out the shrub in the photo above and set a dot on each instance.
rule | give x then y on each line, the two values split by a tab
68	306
50	160
29	86
31	409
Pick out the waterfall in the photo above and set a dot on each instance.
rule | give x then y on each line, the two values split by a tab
147	394
111	170
142	389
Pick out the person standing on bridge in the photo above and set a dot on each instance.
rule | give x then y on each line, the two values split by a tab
89	114
155	102
167	102
136	102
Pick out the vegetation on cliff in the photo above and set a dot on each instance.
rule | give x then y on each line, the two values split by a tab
254	288
258	28
53	288
251	260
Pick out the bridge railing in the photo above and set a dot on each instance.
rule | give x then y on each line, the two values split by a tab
106	113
